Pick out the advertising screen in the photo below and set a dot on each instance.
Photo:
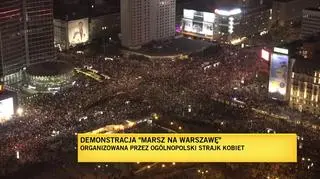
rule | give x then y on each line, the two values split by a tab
198	22
265	55
278	76
197	27
187	13
208	17
204	16
6	109
78	31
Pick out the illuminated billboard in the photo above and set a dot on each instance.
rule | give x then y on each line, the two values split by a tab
187	13
265	55
198	22
78	31
278	76
6	109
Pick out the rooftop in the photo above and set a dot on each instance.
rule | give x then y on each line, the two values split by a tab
174	47
49	68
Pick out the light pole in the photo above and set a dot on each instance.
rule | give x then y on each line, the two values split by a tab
104	47
105	43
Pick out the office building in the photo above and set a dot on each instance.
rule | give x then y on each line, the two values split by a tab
222	20
12	40
303	74
305	86
26	36
310	22
39	25
135	22
144	21
310	49
165	19
290	11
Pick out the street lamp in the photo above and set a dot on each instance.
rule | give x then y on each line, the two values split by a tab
105	44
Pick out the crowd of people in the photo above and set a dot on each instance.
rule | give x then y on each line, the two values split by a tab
137	87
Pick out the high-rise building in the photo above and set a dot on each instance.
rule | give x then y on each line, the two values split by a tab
12	38
39	25
227	22
143	21
165	19
26	36
310	22
135	22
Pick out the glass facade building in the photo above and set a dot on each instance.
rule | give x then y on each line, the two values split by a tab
12	38
26	36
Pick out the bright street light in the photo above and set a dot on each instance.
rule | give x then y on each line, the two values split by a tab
20	111
18	155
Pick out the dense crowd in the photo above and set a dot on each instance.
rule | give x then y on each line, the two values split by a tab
137	88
